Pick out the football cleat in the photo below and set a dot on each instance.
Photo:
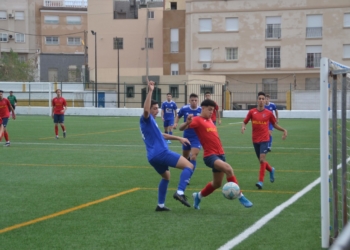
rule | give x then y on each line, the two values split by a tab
272	175
7	144
259	184
64	134
245	202
196	200
161	209
182	198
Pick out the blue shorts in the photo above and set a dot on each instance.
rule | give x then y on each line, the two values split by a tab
209	161
261	148
162	161
58	118
214	123
194	144
271	126
5	121
168	123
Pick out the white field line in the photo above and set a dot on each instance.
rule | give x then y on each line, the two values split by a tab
260	223
235	123
133	145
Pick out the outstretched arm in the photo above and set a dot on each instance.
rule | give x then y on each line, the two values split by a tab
185	125
276	112
278	127
147	104
183	141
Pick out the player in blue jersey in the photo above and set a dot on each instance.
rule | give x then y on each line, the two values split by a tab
272	107
169	112
190	151
159	155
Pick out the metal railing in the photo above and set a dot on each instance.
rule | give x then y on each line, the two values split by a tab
273	62
314	32
273	33
313	62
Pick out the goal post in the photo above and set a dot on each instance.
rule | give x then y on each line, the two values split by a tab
334	155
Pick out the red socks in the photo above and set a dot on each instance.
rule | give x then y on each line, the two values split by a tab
264	166
63	127
6	135
232	179
208	189
56	130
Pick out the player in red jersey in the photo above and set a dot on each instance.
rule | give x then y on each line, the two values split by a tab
214	155
5	108
216	109
59	106
1	128
261	118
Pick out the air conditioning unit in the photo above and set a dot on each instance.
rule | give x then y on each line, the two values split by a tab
206	65
11	37
11	15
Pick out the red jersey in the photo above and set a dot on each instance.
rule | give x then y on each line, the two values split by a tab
208	135
5	107
58	103
0	122
216	109
260	124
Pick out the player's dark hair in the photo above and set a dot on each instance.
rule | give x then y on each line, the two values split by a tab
267	95
168	94
153	102
261	93
207	93
57	90
193	95
1	91
207	103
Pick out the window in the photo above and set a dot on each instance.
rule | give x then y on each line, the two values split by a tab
51	40
273	57
205	89
205	55
270	87
273	27
73	41
314	26
174	40
150	14
173	5
174	68
118	43
3	15
22	58
231	54
346	20
73	20
174	91
150	43
130	91
3	37
232	24
51	19
205	24
313	56
72	73
19	15
346	51
312	83
19	38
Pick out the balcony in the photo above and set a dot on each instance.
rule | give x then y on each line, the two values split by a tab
314	32
273	62
66	3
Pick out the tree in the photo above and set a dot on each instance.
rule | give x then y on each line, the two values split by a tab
14	70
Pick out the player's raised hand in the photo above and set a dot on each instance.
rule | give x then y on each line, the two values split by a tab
151	85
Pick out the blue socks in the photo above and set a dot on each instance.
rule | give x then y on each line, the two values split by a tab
162	190
184	177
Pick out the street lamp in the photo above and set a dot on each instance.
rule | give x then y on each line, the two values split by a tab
95	34
117	40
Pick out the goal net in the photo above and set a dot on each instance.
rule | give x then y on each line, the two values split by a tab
334	149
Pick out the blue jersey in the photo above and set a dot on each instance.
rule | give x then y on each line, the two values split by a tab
271	107
152	137
184	112
169	110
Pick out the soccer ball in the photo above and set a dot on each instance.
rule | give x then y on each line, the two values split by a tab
231	190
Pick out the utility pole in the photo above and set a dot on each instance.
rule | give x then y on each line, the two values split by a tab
95	34
118	73
0	50
85	55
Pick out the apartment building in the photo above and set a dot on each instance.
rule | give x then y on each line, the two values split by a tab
269	45
128	32
63	40
174	24
18	28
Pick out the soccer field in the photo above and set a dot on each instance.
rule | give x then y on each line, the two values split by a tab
96	190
